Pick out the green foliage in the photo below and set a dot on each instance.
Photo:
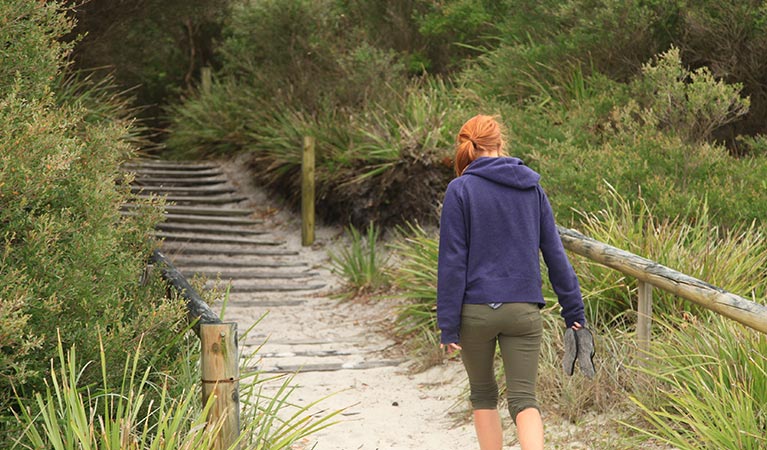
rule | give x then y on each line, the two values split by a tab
137	414
70	415
392	155
69	262
415	276
304	55
153	46
690	104
713	381
361	263
734	259
32	53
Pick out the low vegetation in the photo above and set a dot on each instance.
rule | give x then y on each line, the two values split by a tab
93	352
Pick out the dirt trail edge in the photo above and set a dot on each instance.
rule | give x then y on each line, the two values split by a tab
221	226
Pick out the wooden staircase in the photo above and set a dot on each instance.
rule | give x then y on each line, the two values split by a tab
207	232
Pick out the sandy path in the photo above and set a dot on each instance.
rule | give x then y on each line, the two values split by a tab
384	407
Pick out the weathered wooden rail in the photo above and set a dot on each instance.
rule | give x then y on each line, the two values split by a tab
651	274
218	356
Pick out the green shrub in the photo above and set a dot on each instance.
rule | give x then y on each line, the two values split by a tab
155	48
70	262
32	53
381	163
690	104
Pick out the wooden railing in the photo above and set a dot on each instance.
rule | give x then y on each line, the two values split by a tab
218	356
651	274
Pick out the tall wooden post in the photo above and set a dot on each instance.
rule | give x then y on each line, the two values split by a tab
307	192
644	317
220	378
206	79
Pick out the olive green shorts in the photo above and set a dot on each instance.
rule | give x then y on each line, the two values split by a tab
517	329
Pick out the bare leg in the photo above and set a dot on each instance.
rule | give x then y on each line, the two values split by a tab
487	422
530	429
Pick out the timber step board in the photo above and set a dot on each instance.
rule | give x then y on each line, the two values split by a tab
211	200
312	353
187	250
269	287
202	190
175	174
199	210
207	229
215	239
182	263
181	218
207	181
170	165
233	304
328	367
249	275
190	218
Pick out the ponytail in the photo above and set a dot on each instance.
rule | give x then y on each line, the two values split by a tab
464	155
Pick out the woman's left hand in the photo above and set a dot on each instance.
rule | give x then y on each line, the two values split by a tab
576	326
451	348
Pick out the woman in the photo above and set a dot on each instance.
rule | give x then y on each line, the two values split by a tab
495	219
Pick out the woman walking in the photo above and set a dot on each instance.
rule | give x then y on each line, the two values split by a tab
495	220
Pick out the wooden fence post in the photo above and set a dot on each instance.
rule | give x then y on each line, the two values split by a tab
644	317
206	79
307	192
220	378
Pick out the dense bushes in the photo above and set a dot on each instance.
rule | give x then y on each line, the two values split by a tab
70	264
155	48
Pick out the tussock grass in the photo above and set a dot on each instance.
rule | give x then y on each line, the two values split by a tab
361	264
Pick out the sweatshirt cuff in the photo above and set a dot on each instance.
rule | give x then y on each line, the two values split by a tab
449	338
570	322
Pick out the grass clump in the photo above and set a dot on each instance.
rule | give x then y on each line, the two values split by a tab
713	382
136	413
361	264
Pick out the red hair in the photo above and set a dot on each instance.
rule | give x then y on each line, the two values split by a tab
479	134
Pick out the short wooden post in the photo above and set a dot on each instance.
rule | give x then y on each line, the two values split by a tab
220	378
206	79
644	317
307	192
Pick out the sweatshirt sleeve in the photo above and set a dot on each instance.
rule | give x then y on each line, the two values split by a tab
451	266
561	273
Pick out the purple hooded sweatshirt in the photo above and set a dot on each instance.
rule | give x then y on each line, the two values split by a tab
495	218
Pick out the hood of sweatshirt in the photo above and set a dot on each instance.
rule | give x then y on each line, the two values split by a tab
503	170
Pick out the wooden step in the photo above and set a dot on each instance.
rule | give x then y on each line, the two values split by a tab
201	220
212	200
184	190
207	229
183	263
214	239
179	181
175	174
181	218
327	367
169	247
270	287
248	274
198	210
169	165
